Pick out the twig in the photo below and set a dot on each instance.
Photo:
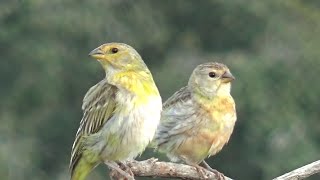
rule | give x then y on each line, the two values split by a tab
302	172
153	168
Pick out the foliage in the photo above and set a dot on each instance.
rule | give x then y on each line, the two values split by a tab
272	47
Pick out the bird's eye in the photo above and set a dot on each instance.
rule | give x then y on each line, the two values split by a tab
212	74
114	50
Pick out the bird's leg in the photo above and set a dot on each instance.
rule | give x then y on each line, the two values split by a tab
201	171
125	167
115	166
217	173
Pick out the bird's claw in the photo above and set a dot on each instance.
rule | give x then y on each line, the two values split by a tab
121	171
152	160
201	172
218	174
126	168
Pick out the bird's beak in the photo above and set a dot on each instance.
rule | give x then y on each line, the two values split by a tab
97	53
227	77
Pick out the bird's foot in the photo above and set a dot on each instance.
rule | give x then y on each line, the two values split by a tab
152	160
219	175
124	175
201	171
125	168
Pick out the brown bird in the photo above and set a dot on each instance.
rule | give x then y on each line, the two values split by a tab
198	120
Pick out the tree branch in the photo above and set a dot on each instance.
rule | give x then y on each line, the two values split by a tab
153	168
302	172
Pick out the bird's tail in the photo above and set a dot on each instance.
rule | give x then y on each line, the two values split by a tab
81	168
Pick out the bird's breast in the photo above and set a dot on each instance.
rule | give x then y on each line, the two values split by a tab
220	110
133	125
216	119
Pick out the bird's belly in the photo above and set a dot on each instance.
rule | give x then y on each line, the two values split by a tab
126	136
221	139
194	149
205	142
223	131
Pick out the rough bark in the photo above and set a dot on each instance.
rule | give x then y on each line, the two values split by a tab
154	168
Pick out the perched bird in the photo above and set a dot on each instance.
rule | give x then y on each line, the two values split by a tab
120	113
198	120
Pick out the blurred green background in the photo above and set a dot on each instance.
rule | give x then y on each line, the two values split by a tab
271	47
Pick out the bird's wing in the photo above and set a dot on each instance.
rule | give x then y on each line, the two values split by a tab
177	117
98	107
182	95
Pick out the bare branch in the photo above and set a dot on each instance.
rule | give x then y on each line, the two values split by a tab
302	172
153	168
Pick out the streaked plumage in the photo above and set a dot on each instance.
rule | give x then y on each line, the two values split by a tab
120	113
198	120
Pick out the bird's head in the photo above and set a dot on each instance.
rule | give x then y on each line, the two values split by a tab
118	57
211	79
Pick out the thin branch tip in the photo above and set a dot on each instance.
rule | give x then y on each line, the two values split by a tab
302	172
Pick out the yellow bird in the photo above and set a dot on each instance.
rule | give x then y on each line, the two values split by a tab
198	120
120	113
